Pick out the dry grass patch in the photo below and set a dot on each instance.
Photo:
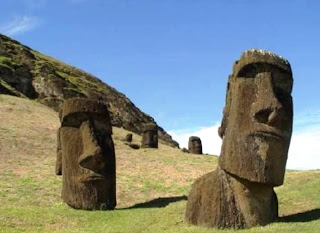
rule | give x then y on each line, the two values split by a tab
28	151
151	183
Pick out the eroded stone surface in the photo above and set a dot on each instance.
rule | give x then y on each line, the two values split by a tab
149	136
258	117
221	200
256	131
195	145
85	155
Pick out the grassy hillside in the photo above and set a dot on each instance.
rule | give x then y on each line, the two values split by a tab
151	184
27	73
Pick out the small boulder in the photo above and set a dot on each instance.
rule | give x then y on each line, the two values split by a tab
128	137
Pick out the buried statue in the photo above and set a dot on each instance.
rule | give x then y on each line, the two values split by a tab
85	155
195	145
149	136
256	132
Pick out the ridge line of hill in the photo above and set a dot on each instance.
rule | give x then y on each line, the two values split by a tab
30	74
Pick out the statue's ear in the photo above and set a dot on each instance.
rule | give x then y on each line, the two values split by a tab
59	156
222	128
59	163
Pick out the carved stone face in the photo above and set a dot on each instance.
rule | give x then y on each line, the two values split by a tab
194	145
257	123
88	158
150	136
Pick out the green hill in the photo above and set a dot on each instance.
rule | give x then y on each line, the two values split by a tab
27	73
152	184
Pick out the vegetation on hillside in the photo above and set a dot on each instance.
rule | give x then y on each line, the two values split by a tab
27	73
152	184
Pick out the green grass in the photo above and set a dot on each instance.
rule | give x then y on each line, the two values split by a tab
81	84
79	78
152	184
44	58
70	78
7	62
10	88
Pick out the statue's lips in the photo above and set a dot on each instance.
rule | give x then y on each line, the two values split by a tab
271	134
94	177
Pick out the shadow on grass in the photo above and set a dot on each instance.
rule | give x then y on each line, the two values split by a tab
157	203
307	216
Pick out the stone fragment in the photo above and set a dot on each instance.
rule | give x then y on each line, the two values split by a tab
184	150
133	145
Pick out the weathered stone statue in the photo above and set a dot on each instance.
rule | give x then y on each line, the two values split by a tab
150	136
86	157
128	137
194	145
256	131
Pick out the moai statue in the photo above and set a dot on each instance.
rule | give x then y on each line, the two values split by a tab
256	131
86	157
150	136
194	145
128	137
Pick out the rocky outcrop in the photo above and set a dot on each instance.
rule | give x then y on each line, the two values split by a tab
27	73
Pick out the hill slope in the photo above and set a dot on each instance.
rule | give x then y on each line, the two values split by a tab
27	73
151	184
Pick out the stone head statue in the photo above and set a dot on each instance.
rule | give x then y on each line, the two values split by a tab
257	122
150	136
194	145
256	131
86	157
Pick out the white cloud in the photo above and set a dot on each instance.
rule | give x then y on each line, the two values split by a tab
304	151
19	25
211	142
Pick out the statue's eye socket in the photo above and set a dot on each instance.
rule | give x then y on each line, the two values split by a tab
283	81
248	71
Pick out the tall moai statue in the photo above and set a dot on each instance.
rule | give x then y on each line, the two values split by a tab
256	131
149	136
85	155
194	145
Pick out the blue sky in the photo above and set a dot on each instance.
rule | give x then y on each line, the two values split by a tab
172	57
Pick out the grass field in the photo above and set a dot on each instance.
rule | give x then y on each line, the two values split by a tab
152	185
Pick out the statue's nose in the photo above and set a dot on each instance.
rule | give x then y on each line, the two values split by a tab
270	116
267	109
92	156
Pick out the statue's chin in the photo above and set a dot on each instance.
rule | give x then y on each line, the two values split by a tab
269	152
